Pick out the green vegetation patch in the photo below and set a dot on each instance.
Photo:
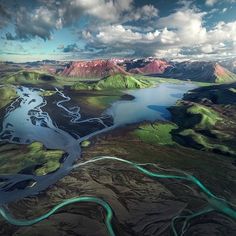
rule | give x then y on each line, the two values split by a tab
113	82
194	115
202	142
157	133
101	102
81	86
233	90
228	77
120	81
14	158
7	94
31	77
208	117
199	128
47	93
85	143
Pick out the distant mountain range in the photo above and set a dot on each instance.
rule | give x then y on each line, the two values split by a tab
201	71
198	71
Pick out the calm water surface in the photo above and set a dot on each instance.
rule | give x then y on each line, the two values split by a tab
150	104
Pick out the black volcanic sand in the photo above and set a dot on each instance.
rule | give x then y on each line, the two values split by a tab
142	206
87	110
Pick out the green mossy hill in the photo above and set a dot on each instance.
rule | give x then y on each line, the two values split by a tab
195	116
31	77
203	142
113	82
206	119
7	95
216	94
34	158
120	81
156	134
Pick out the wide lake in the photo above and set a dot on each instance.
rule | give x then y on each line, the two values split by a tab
149	104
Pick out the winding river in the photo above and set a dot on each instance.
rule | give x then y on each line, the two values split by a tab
25	122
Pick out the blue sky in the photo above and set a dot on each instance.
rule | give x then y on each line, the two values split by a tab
88	29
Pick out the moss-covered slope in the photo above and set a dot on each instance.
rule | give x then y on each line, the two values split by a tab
157	133
121	81
28	77
118	81
206	118
7	94
33	158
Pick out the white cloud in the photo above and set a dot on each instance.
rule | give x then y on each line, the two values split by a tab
224	10
174	34
112	27
168	53
117	33
168	37
223	32
145	12
187	24
211	2
51	15
207	48
41	22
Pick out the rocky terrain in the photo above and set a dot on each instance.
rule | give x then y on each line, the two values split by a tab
92	69
141	205
201	71
202	130
146	66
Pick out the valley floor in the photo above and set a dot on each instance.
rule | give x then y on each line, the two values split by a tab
141	205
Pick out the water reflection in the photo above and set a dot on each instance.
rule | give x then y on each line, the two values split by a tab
149	104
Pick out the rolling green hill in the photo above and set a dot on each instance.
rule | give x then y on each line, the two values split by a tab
7	94
32	77
206	118
118	81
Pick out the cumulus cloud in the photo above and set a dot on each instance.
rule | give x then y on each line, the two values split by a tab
144	13
211	2
178	34
180	28
41	22
43	18
117	33
116	27
5	17
187	24
207	48
70	48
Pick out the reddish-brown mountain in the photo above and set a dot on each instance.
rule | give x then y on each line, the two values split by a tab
152	67
92	69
